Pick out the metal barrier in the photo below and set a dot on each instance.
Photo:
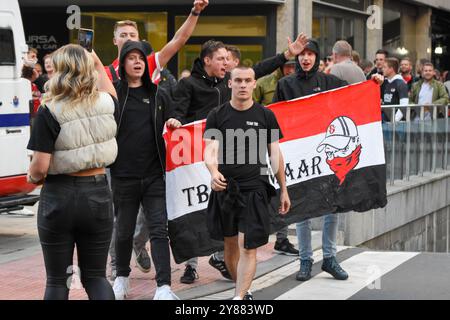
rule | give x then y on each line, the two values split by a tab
413	146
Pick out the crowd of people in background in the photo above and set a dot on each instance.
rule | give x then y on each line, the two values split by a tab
136	177
412	74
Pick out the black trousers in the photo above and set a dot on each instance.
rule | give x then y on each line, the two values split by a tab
128	195
76	211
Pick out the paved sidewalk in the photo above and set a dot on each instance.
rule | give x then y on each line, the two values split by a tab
22	268
24	278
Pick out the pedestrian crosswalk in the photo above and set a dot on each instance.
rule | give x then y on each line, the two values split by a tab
365	270
374	274
269	279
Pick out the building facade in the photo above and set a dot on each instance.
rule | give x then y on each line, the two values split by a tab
414	28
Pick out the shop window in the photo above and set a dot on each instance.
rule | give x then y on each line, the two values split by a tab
440	39
225	26
316	29
152	27
330	26
392	30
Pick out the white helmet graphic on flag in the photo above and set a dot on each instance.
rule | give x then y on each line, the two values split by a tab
342	147
339	133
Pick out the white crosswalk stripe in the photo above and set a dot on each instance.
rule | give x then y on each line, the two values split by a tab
364	269
269	279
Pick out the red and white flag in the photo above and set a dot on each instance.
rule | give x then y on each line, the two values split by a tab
334	162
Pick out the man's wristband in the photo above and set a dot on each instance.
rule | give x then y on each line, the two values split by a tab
195	13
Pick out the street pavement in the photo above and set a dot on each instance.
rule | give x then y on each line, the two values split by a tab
22	269
373	275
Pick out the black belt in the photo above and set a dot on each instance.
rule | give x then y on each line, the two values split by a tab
66	178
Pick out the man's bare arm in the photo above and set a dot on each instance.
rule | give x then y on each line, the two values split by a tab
218	181
183	34
103	83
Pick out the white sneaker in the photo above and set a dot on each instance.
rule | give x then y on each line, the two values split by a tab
165	293
121	287
237	298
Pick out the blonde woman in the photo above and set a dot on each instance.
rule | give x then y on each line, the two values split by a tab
73	140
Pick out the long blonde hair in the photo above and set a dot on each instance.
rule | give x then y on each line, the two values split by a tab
75	78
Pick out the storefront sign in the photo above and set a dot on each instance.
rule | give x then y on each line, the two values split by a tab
42	42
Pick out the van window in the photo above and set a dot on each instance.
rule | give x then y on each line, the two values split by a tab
7	54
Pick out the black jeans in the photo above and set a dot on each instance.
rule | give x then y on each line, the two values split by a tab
128	194
76	211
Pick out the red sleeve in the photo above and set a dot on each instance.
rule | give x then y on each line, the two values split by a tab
108	72
36	99
115	65
153	68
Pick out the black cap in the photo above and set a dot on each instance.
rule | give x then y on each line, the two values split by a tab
290	61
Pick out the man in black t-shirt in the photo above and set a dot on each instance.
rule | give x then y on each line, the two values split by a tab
394	90
207	88
238	136
137	176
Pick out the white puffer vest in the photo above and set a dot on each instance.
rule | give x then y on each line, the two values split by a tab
87	139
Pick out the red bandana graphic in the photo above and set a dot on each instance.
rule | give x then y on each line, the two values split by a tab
342	166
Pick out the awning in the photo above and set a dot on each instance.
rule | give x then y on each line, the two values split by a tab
436	4
66	3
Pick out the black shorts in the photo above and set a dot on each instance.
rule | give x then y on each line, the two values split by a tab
248	215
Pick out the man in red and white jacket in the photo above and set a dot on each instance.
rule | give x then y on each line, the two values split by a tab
128	30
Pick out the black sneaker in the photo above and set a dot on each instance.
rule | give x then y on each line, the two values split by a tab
220	265
305	270
285	247
331	266
143	261
189	276
248	296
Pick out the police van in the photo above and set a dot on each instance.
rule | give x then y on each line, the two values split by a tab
15	98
